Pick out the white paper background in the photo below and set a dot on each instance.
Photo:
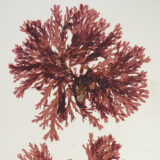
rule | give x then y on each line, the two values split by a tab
138	134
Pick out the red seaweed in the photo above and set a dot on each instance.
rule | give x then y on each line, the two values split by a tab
109	74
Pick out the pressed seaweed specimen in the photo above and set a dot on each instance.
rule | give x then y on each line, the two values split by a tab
108	79
35	153
104	148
